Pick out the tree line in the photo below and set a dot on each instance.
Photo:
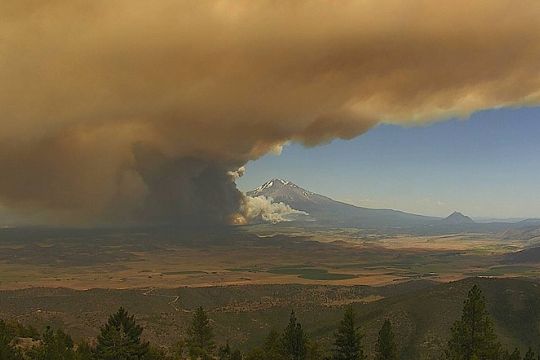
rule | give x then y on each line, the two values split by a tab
472	338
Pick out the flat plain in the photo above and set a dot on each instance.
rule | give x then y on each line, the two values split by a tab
168	258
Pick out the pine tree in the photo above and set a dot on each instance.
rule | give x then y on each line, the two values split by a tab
386	346
7	350
177	350
256	354
473	336
348	339
314	351
272	348
200	340
529	355
294	340
84	352
55	345
120	338
155	353
515	355
236	355
226	353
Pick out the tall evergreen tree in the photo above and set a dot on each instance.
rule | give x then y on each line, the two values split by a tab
530	355
347	344
7	350
314	351
200	340
236	355
386	345
84	352
155	353
120	338
473	337
515	355
55	345
272	348
177	350
294	340
226	353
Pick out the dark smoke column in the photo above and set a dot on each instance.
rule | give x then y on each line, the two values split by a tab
187	191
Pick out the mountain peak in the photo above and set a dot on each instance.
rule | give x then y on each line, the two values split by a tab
274	183
279	181
458	218
280	190
325	210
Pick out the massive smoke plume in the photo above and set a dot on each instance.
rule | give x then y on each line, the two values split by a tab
134	110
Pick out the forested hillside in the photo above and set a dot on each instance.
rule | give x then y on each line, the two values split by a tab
423	323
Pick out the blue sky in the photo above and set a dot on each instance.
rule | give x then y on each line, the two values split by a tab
485	166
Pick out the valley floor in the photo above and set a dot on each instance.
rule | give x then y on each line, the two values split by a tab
167	258
250	278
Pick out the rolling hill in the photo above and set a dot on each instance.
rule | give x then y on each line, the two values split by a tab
421	312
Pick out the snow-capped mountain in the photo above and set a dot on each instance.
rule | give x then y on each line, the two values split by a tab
322	210
289	193
325	210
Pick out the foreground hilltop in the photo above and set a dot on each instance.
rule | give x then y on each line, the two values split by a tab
422	312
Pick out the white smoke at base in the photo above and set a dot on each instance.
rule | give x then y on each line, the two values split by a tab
265	209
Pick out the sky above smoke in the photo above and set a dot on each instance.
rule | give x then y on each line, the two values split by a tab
143	111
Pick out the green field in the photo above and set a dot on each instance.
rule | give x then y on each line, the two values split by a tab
310	273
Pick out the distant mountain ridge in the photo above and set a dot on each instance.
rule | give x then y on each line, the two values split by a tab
327	211
457	218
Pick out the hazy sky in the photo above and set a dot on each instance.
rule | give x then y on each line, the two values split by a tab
485	166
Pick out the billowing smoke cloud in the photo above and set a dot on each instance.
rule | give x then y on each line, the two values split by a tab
261	208
129	109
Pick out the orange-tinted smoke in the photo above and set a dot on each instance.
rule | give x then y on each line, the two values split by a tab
206	86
